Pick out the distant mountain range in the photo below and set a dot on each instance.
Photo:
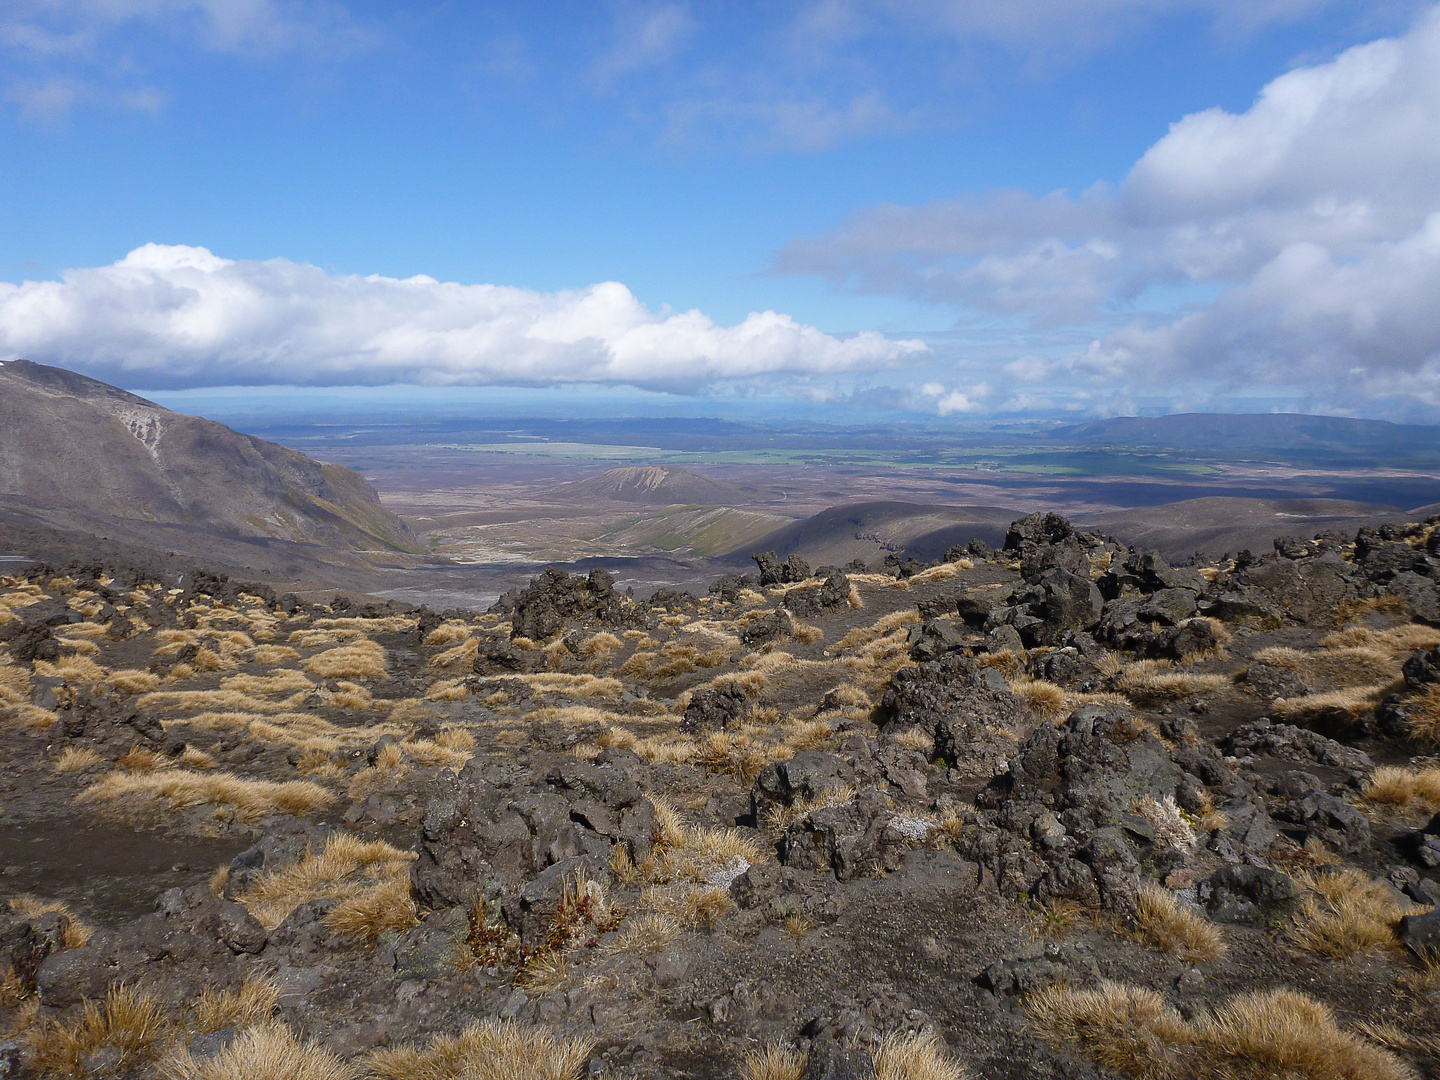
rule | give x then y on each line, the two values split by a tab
1287	436
76	453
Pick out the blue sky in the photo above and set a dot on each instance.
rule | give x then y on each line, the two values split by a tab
952	208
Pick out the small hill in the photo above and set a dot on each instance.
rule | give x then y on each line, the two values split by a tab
661	485
870	530
82	454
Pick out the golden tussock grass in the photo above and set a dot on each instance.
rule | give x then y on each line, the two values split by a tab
134	681
1346	913
487	1050
211	700
196	758
737	753
644	934
76	669
273	654
901	1056
266	1052
432	753
450	633
863	635
75	934
1258	1036
128	1018
140	759
1422	718
1044	699
804	633
176	789
1146	680
447	690
391	624
75	758
1162	922
1355	700
579	686
350	871
943	572
1403	788
79	646
1349	666
667	751
462	656
32	717
774	1062
1398	641
897	1056
14	682
277	682
252	1002
363	659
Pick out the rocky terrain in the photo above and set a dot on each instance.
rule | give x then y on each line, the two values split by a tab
1056	809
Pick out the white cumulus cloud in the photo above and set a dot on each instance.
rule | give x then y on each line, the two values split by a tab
182	316
1301	235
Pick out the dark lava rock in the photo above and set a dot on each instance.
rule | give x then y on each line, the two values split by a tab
1252	894
714	709
542	608
1421	934
490	830
1327	818
966	708
834	591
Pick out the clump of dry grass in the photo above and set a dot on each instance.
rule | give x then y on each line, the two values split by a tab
273	654
1165	924
1422	718
1398	641
75	934
1147	680
140	759
774	1062
450	633
461	657
75	758
175	789
128	1018
486	1050
360	875
645	933
361	659
1044	699
1345	913
1355	700
251	1003
1403	788
917	1056
267	1052
1259	1036
134	681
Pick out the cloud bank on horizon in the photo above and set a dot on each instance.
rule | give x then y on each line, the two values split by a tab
179	316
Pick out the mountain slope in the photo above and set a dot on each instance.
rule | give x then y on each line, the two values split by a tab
869	530
88	454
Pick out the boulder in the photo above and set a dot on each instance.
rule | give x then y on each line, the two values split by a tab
712	709
1255	895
